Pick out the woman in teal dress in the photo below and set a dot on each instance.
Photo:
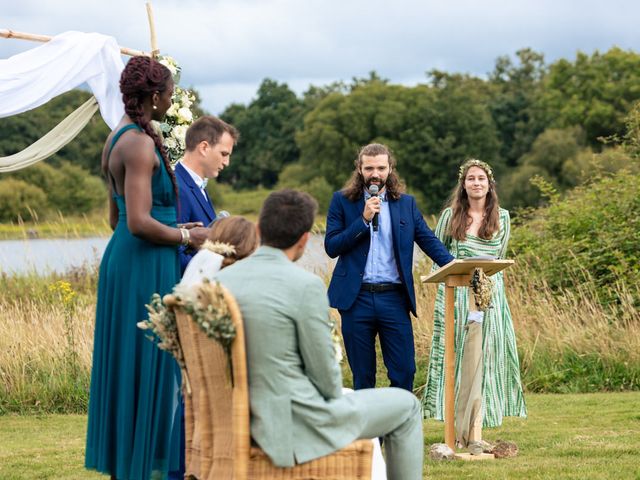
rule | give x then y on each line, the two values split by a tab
133	428
474	225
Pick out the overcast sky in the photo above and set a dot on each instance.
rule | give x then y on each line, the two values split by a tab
227	47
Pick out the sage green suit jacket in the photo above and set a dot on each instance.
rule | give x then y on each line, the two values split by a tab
298	412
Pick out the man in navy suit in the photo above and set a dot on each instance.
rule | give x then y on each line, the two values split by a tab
209	143
372	283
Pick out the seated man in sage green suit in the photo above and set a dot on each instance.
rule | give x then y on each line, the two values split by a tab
298	411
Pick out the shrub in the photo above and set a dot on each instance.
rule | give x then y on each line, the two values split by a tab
69	189
591	236
20	200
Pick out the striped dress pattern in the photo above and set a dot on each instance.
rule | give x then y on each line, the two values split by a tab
501	386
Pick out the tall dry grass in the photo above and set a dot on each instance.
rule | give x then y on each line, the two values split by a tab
46	341
567	343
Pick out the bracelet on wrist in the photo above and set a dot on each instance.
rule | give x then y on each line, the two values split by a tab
186	237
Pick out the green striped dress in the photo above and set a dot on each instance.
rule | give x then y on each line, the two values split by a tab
501	387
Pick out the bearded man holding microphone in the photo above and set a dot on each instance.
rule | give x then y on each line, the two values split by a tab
371	227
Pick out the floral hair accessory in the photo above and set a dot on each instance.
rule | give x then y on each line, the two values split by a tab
220	248
474	162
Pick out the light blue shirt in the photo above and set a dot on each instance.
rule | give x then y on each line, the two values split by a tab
199	181
381	263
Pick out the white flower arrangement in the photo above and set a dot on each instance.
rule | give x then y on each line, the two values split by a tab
179	116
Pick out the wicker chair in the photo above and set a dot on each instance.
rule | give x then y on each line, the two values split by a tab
218	443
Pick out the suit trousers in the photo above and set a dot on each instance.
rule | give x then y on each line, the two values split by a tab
385	314
395	415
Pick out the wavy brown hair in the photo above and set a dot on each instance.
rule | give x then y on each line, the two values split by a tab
459	203
354	188
140	79
238	232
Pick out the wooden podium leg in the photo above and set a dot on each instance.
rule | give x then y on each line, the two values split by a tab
449	367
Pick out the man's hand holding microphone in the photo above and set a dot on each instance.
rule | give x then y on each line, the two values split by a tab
372	208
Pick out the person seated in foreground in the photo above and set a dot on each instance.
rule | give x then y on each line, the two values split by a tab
298	411
230	239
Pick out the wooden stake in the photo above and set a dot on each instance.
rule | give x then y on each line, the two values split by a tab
46	38
152	30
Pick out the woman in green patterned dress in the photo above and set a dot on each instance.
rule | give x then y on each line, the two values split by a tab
472	225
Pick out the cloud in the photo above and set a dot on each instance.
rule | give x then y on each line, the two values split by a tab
226	47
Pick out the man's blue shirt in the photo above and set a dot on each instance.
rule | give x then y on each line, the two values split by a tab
381	263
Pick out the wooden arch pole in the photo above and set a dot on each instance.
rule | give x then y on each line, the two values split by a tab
5	33
152	31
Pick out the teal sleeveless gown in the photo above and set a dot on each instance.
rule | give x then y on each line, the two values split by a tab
133	428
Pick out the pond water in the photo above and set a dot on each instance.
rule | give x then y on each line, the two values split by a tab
46	255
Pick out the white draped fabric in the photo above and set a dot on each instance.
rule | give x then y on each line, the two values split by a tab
53	141
32	78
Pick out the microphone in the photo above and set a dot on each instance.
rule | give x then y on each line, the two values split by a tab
373	190
221	214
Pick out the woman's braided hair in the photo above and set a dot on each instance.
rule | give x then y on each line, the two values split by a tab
141	78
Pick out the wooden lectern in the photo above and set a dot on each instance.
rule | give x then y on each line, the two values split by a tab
457	274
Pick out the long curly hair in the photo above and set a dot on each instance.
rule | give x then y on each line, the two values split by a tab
140	79
354	188
459	203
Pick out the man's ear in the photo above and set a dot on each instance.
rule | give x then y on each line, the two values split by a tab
304	238
202	147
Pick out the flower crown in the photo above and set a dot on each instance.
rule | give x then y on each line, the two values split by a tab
474	162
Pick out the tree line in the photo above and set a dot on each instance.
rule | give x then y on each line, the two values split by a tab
558	122
526	118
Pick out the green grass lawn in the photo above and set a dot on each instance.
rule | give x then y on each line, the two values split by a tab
588	436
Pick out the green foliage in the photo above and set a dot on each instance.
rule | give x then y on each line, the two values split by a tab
77	192
631	142
557	155
294	174
19	200
431	130
573	372
243	202
298	177
443	126
340	124
513	104
319	189
19	131
69	189
527	118
591	236
595	91
267	128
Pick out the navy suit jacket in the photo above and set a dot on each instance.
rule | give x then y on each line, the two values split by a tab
348	238
192	207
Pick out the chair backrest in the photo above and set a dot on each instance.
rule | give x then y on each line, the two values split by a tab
216	413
